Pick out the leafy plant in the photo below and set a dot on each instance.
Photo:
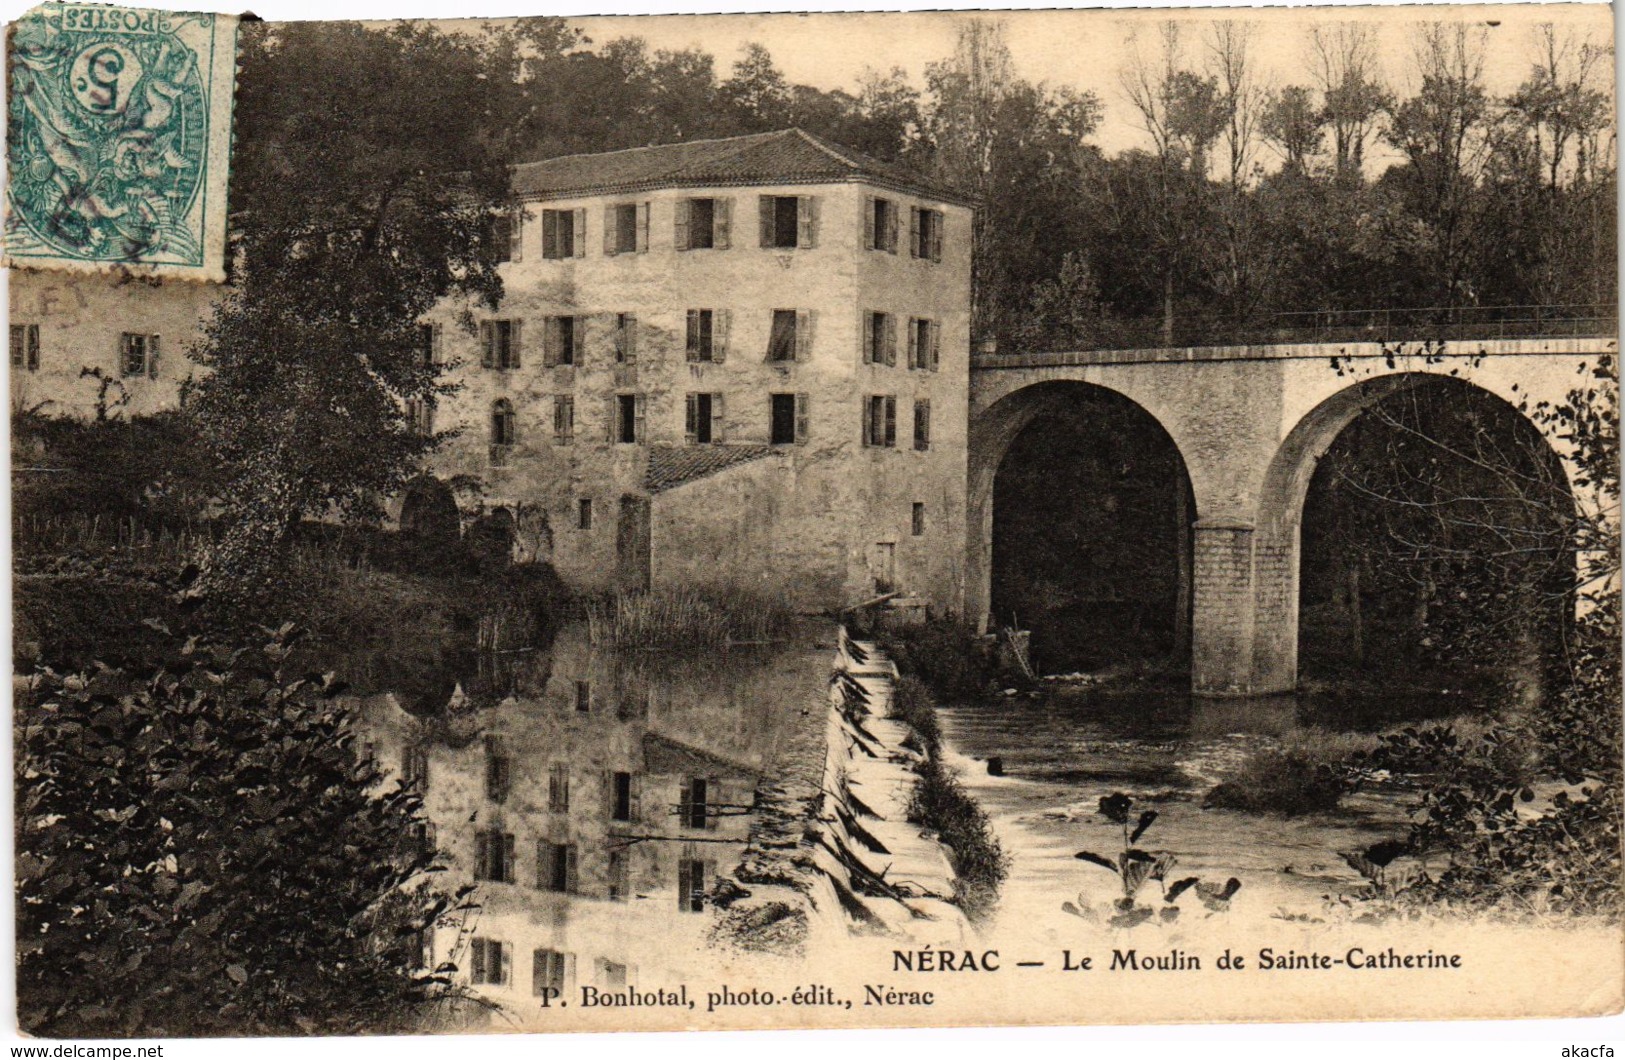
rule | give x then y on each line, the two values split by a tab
1135	868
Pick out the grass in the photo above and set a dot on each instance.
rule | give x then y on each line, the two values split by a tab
1305	772
687	619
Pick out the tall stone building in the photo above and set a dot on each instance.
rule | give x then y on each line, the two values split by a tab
730	364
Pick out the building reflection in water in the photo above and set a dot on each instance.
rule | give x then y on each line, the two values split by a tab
593	797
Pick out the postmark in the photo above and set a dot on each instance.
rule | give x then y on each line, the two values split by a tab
119	140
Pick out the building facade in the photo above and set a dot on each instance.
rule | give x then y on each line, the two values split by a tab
727	364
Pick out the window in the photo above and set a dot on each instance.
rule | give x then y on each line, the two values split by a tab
707	335
918	521
493	856
558	788
583	697
626	228
924	343
788	221
496	770
703	422
626	338
880	225
925	233
626	411
491	962
621	795
420	416
426	836
499	343
691	877
611	974
138	355
564	419
620	875
428	345
25	347
880	421
703	224
562	340
564	233
922	424
584	513
790	336
556	867
787	419
505	231
879	339
415	767
503	428
694	809
549	972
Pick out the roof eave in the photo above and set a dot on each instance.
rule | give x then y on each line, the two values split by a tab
924	191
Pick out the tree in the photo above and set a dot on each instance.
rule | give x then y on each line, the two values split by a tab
361	201
1294	126
1344	67
757	93
210	839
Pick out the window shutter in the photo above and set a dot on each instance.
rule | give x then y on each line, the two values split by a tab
685	802
516	235
765	206
580	235
935	336
610	435
541	963
891	422
937	220
913	231
631	339
680	225
609	231
437	349
693	335
572	882
152	356
550	341
869	208
643	228
507	850
719	334
635	802
482	856
868	417
685	879
550	234
476	972
888	326
637	419
505	949
806	220
578	341
719	419
488	357
913	344
722	211
801	419
691	421
869	338
713	795
19	345
891	229
803	334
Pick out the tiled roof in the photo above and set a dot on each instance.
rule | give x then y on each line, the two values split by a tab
789	156
671	466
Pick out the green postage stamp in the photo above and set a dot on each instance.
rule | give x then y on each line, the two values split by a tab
118	139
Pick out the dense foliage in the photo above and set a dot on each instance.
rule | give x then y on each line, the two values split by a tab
211	844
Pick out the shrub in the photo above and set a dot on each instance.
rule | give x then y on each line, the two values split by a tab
208	844
1306	772
980	864
945	654
911	704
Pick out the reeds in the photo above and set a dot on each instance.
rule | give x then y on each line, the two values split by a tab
686	619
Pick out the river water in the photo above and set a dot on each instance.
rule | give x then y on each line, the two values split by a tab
1060	755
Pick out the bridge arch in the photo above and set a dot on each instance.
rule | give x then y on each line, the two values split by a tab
1120	467
1278	545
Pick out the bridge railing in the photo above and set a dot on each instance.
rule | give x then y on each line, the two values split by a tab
1438	323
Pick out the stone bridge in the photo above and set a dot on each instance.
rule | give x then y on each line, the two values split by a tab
1250	423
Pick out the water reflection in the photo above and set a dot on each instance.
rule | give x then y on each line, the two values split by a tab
594	798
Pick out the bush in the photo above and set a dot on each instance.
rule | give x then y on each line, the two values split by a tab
204	852
945	654
1305	772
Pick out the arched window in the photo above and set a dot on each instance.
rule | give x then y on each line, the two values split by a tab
503	431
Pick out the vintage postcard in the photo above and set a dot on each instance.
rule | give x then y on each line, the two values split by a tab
813	520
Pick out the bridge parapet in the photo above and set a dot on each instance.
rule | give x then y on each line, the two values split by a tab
1552	346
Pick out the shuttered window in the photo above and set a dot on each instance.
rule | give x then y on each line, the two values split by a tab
879	338
917	519
622	796
692	877
491	962
420	416
880	224
497	765
506	233
703	419
564	340
922	424
880	421
925	233
706	340
924	343
550	972
493	856
787	419
504	429
626	338
500	344
558	788
788	222
626	228
415	767
138	354
564	233
25	347
620	874
556	867
702	224
626	419
564	419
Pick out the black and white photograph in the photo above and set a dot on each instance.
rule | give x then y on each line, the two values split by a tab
799	521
